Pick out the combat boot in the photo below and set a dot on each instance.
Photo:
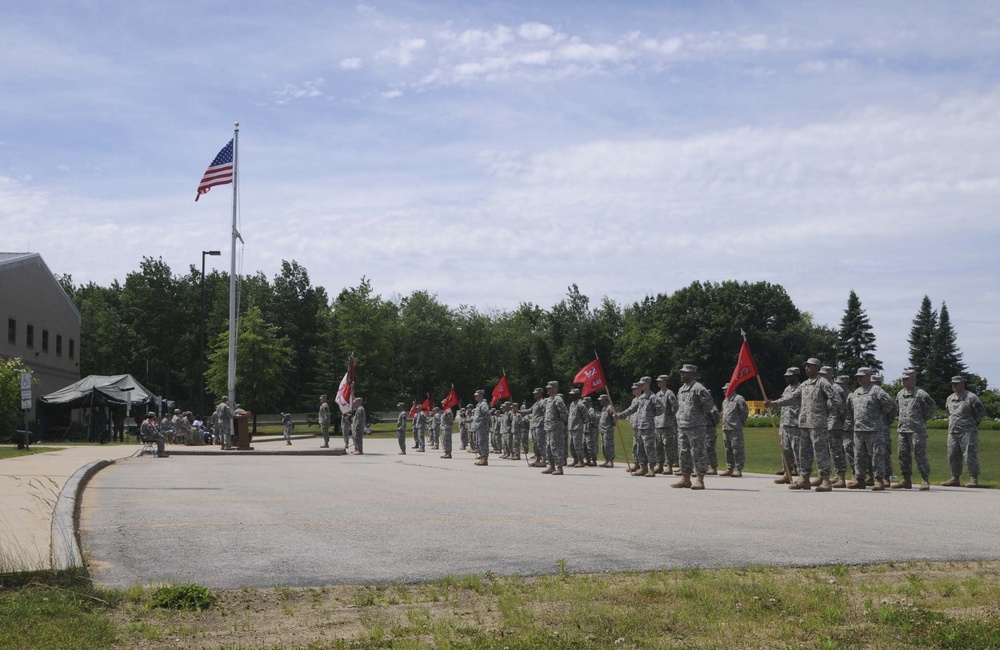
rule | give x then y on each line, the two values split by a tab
816	481
905	484
870	481
668	470
973	481
824	483
801	483
728	472
604	464
639	471
712	471
651	472
925	484
780	472
698	482
781	481
952	482
685	482
481	462
557	471
856	484
737	473
878	487
550	469
578	463
446	456
611	464
659	468
840	482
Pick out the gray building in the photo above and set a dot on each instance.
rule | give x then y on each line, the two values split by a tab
38	323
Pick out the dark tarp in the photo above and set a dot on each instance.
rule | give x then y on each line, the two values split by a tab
100	390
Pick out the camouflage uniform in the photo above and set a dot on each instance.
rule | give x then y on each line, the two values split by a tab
915	408
790	428
577	418
607	427
964	415
481	428
645	407
848	428
224	424
183	431
712	437
507	431
666	429
590	433
324	422
358	423
288	426
524	429
835	425
401	431
734	415
167	429
150	431
419	429
694	412
435	425
885	430
556	416
463	428
447	424
871	405
816	399
538	429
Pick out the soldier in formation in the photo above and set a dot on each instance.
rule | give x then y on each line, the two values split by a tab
694	412
646	406
359	421
965	412
481	428
447	425
401	428
734	415
224	423
606	425
666	429
915	408
555	421
789	428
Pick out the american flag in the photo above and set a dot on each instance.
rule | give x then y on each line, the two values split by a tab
220	172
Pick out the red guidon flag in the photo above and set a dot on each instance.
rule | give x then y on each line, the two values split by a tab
451	401
592	378
427	406
745	369
501	391
345	393
414	409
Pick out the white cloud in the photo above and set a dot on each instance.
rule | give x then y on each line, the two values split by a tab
352	63
391	94
308	89
404	52
578	51
535	31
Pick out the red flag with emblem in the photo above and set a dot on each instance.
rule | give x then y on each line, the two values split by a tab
414	409
745	369
501	391
451	401
592	378
427	406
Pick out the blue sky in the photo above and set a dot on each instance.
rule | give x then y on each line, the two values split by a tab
496	153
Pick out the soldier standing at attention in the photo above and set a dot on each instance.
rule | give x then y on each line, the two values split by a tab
734	415
607	428
694	411
870	405
506	431
556	415
666	429
358	422
915	408
835	428
463	428
524	428
419	429
324	422
435	424
224	422
576	418
401	428
481	428
816	399
636	442
590	434
711	439
538	428
965	412
645	407
447	424
886	432
789	427
848	427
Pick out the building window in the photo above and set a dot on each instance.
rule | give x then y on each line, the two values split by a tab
72	348
11	331
45	340
58	345
29	337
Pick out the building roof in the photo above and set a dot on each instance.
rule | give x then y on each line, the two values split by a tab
10	261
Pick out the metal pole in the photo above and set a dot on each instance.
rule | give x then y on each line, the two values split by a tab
231	382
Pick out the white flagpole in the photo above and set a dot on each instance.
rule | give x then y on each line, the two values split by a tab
231	385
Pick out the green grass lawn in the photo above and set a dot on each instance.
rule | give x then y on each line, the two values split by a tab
11	451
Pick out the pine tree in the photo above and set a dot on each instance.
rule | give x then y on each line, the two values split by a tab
922	337
944	360
856	341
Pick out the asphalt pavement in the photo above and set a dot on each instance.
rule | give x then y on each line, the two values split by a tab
228	521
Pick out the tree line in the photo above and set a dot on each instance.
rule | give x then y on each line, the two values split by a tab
295	340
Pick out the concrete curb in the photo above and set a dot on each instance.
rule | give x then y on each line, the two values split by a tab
338	451
65	542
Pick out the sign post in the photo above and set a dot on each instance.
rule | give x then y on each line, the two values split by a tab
25	406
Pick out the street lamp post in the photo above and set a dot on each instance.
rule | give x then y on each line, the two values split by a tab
201	375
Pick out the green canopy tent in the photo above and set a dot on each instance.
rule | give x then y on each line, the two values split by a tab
95	391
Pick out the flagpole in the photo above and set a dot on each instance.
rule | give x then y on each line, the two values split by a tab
777	435
231	381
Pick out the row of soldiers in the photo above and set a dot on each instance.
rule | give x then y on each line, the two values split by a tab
824	426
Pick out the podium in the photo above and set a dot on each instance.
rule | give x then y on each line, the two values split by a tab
241	429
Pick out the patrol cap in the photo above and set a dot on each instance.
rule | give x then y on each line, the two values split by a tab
909	372
400	404
663	378
645	380
602	398
552	384
844	379
177	410
813	361
826	370
689	367
480	392
864	372
151	415
538	390
635	386
575	391
792	372
587	398
958	379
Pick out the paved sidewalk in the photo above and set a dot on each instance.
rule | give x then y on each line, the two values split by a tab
30	487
